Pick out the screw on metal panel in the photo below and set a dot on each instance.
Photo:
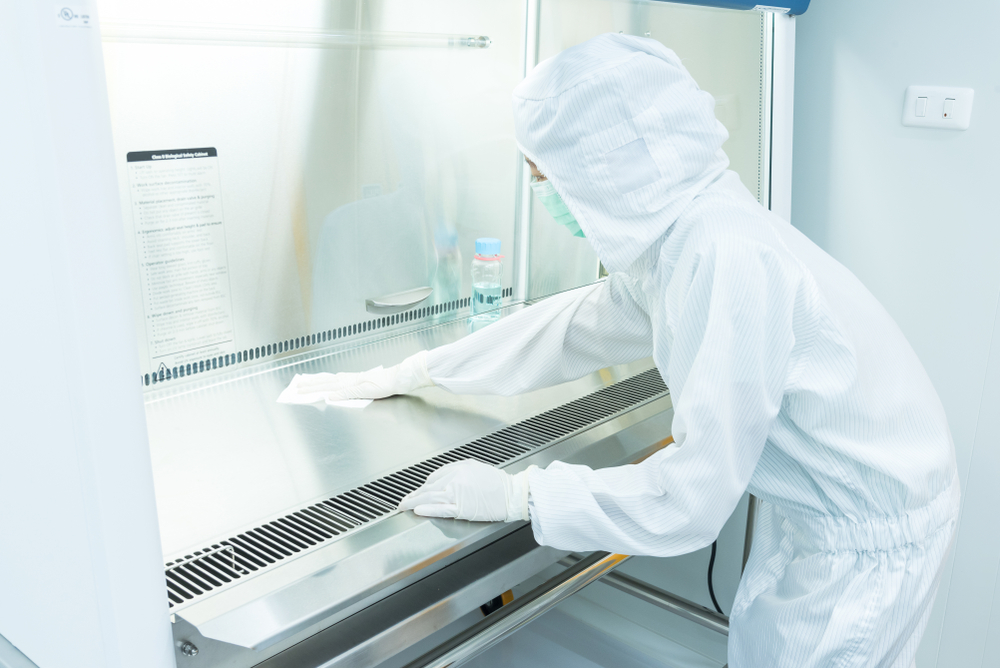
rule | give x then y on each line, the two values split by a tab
189	649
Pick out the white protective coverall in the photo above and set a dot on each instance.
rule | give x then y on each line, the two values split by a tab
788	378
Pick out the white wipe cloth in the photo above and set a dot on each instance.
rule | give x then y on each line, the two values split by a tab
291	395
357	389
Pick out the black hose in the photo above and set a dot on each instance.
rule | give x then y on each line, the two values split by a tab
711	567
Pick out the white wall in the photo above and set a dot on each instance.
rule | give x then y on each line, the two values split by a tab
913	212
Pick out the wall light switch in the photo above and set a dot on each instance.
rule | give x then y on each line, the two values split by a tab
938	107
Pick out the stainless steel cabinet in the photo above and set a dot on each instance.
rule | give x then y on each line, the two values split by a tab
285	168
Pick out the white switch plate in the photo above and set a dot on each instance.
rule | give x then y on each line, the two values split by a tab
934	114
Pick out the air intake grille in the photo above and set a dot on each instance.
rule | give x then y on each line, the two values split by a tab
218	565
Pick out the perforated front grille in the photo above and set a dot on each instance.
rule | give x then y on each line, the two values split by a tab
254	354
220	564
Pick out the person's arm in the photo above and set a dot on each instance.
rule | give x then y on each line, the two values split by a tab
727	368
561	338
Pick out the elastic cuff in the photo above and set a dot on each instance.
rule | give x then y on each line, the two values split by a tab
517	502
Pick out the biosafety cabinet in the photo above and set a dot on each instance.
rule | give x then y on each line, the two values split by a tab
244	191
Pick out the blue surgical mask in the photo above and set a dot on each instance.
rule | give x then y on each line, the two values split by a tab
556	207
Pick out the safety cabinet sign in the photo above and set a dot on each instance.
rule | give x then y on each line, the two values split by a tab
180	238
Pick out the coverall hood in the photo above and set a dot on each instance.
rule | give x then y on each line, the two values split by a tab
626	137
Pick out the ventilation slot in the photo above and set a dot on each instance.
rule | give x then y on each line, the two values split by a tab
164	373
216	566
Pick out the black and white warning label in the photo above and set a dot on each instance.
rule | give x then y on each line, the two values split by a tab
181	246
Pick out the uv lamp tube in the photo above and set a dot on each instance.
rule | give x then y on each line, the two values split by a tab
165	33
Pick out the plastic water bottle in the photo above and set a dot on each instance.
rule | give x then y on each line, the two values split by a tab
487	267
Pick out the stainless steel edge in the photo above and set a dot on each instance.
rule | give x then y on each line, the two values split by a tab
397	623
667	601
767	76
347	575
598	566
11	657
753	505
336	581
522	191
681	607
520	612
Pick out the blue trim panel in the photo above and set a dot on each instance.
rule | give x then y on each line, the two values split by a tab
795	7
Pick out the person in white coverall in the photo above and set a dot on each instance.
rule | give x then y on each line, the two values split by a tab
788	379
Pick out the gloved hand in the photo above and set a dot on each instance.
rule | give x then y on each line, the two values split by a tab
409	375
471	490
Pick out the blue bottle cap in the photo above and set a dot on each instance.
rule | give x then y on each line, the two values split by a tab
487	246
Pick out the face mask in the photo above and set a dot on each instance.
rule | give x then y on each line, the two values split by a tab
556	207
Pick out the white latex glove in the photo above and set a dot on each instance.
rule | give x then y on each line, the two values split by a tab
471	490
407	376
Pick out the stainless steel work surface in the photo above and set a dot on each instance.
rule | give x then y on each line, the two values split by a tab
227	456
262	504
336	578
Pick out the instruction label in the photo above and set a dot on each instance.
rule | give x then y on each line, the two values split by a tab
181	246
